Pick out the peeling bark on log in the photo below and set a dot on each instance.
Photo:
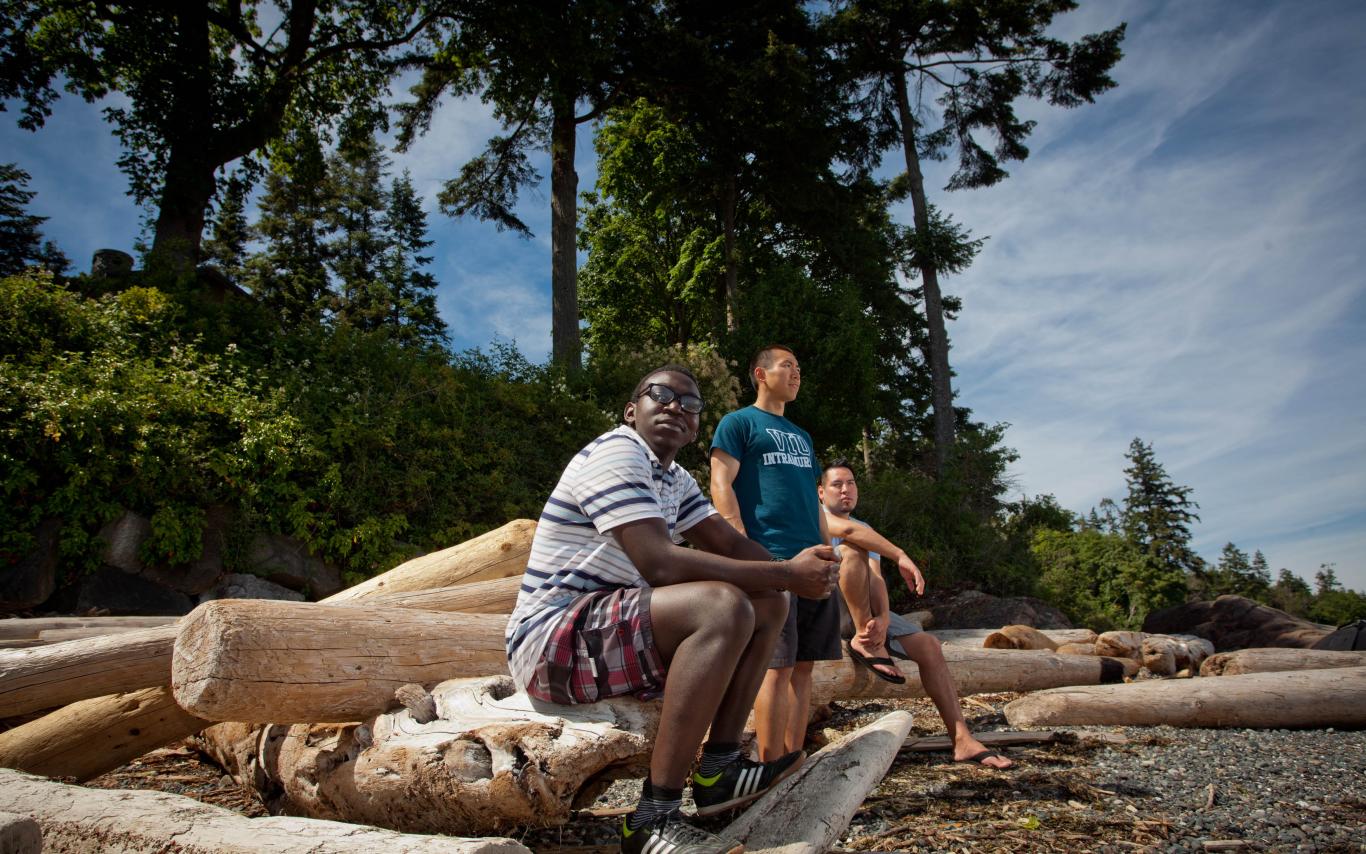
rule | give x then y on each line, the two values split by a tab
975	671
492	759
75	819
1278	659
48	676
86	739
1307	698
295	662
809	811
498	554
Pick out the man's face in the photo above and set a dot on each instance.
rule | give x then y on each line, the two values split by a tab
783	379
664	427
839	491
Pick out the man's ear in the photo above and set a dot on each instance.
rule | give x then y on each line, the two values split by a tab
629	415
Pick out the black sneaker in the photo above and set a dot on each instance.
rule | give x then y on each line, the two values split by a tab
671	834
741	782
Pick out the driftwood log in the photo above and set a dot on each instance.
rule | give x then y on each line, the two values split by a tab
88	738
1278	659
1307	698
34	627
977	637
809	811
492	759
498	554
76	819
295	662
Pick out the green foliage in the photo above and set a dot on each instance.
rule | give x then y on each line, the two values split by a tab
1236	574
1158	513
227	246
1099	580
1291	594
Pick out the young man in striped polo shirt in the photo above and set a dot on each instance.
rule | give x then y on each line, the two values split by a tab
612	604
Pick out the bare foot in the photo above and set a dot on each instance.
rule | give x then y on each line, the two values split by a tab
969	749
869	649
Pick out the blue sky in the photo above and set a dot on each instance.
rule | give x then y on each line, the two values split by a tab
1181	261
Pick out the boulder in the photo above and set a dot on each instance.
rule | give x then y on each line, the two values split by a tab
117	593
286	561
240	585
974	609
110	263
203	572
123	539
1233	622
33	579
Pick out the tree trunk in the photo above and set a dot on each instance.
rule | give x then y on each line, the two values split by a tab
86	739
808	812
501	553
492	759
296	662
938	354
77	819
564	188
1307	698
1277	660
730	203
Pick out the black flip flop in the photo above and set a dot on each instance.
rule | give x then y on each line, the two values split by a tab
868	661
976	759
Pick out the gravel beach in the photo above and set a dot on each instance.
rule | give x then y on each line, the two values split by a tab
1104	789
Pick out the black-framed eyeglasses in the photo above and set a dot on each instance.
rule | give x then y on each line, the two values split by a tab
663	395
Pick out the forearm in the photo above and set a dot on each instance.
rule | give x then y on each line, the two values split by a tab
750	569
724	500
869	540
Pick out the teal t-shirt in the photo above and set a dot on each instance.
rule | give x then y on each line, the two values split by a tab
776	486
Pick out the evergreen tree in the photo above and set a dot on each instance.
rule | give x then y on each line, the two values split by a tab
1326	580
1260	571
21	243
355	214
411	288
227	244
1291	594
289	275
1234	574
1156	518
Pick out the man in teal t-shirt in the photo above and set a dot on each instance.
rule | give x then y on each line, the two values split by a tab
763	481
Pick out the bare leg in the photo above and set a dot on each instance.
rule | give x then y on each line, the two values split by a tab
925	651
770	712
770	612
860	591
799	707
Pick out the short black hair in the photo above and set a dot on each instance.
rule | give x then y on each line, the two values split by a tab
764	359
840	463
672	368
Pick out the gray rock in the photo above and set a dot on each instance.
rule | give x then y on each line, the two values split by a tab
287	561
120	594
33	579
974	609
1233	622
241	585
20	834
110	262
203	572
123	539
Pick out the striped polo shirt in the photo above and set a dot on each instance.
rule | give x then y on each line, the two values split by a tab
614	480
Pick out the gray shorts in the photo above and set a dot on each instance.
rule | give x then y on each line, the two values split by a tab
897	626
811	633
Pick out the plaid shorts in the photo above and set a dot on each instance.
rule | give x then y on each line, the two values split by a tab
604	646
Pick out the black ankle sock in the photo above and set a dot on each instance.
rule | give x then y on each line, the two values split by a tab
717	755
654	801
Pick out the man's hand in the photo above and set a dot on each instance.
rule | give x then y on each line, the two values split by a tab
814	572
911	573
874	633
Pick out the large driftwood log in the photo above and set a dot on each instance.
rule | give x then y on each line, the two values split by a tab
498	554
975	671
295	662
1308	698
88	738
1278	659
977	637
492	759
49	676
809	811
74	819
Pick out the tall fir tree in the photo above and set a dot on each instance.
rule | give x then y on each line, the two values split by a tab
289	274
226	246
1157	518
411	288
21	243
1326	580
1291	594
356	208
